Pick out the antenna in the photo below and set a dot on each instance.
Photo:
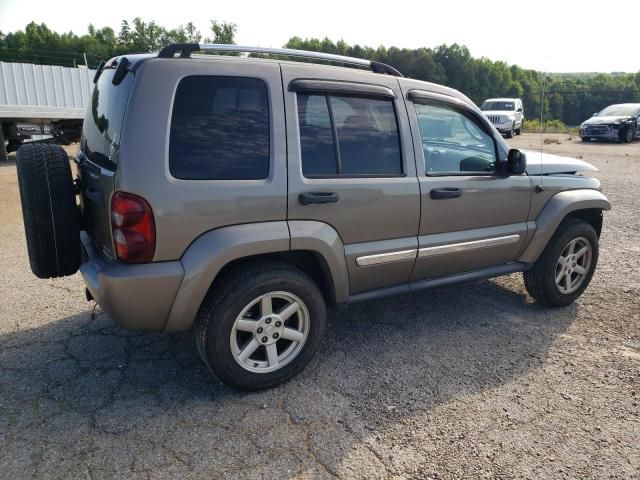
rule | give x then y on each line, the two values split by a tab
539	187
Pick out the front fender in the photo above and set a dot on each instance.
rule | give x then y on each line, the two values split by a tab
556	210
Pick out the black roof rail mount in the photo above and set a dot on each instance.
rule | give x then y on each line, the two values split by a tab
186	49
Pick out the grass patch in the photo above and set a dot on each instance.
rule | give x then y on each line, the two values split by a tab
549	126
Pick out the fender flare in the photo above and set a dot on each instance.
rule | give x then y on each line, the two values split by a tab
212	251
209	253
555	211
323	240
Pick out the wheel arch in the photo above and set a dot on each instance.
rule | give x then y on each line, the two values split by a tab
313	247
584	204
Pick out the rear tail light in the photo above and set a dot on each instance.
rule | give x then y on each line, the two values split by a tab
133	229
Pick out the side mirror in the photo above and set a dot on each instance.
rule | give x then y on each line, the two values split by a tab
516	162
519	110
595	114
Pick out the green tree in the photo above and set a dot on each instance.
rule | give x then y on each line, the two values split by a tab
223	32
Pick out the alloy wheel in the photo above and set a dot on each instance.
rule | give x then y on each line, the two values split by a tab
270	332
573	265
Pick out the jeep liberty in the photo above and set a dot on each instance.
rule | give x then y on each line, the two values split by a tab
238	196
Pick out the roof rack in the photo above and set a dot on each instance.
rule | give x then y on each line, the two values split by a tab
186	49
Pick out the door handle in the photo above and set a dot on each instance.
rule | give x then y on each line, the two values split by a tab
444	193
308	198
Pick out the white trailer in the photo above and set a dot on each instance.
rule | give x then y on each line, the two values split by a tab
41	100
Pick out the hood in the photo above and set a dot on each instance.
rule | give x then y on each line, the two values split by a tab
606	120
554	164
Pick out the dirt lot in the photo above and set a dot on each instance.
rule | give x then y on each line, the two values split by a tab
472	381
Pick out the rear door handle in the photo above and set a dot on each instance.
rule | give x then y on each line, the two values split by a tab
309	198
444	193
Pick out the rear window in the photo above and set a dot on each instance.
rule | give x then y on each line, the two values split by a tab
220	129
102	126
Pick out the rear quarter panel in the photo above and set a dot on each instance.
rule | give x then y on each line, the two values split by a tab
185	209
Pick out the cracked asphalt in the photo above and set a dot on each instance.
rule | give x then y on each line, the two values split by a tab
471	381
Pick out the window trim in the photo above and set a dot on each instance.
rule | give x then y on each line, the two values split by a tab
355	89
327	95
271	157
463	110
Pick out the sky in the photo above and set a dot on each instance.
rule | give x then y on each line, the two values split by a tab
545	35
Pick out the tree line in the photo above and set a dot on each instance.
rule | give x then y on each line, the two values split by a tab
570	98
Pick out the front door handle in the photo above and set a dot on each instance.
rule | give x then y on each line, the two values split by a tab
444	193
308	198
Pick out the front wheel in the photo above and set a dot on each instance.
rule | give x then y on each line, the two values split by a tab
628	135
260	325
510	132
566	265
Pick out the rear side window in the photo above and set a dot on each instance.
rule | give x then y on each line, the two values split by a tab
102	125
220	129
352	136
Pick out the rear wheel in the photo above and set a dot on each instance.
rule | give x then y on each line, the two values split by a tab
260	325
49	210
566	265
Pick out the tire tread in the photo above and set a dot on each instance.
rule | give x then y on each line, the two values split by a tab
49	210
536	280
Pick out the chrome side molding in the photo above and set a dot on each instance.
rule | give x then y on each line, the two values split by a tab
464	246
381	258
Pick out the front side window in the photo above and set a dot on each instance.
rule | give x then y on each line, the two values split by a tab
220	129
453	143
342	135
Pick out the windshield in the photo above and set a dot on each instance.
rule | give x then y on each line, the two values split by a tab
491	105
619	111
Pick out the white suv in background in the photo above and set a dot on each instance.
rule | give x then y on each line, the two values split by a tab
506	114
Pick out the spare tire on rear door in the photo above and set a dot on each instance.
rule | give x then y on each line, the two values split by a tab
49	209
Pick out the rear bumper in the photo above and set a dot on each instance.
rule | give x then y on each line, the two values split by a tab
136	297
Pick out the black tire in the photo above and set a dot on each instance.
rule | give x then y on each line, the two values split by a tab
540	279
226	300
628	134
510	132
519	130
3	148
49	210
585	139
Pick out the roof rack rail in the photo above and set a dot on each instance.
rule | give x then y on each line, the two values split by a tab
186	49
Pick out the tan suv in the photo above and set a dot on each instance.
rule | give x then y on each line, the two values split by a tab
239	196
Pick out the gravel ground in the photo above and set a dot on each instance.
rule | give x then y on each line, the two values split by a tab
472	381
